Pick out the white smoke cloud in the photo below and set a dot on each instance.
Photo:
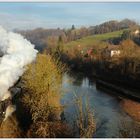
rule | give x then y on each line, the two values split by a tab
17	53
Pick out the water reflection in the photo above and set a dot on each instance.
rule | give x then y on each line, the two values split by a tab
107	110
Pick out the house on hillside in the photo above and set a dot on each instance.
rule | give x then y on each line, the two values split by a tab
91	53
136	32
111	51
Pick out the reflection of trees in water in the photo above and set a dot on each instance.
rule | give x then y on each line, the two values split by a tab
78	78
101	127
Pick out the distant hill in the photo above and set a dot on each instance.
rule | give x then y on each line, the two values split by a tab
42	38
111	26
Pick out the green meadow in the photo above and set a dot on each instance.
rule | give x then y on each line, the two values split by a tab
93	41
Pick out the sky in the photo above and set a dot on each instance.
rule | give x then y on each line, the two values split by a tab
25	15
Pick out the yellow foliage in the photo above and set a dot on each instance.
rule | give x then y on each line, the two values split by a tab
49	130
10	128
129	49
42	82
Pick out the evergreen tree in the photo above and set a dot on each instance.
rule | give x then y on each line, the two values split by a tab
73	27
59	48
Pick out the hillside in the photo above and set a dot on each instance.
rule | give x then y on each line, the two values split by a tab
43	38
94	40
113	25
40	37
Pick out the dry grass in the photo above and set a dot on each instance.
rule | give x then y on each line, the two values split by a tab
132	108
49	130
129	130
10	128
85	120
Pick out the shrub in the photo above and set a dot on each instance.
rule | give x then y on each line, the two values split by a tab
85	122
42	87
10	128
49	130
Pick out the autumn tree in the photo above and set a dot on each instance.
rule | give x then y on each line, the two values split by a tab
126	35
41	96
42	83
59	48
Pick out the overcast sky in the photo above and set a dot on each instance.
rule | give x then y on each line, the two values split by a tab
63	15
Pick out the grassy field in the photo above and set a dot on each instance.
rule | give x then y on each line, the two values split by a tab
93	41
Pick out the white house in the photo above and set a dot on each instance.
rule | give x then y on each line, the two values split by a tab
111	51
115	53
136	32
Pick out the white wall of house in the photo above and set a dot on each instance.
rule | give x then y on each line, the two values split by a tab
136	32
115	53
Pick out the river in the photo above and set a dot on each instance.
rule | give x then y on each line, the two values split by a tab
108	113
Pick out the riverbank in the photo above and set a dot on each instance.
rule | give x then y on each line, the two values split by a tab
131	108
118	90
130	102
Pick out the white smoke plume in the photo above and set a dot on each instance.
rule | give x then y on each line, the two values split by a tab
17	53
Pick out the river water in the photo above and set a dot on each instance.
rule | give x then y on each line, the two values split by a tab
108	113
